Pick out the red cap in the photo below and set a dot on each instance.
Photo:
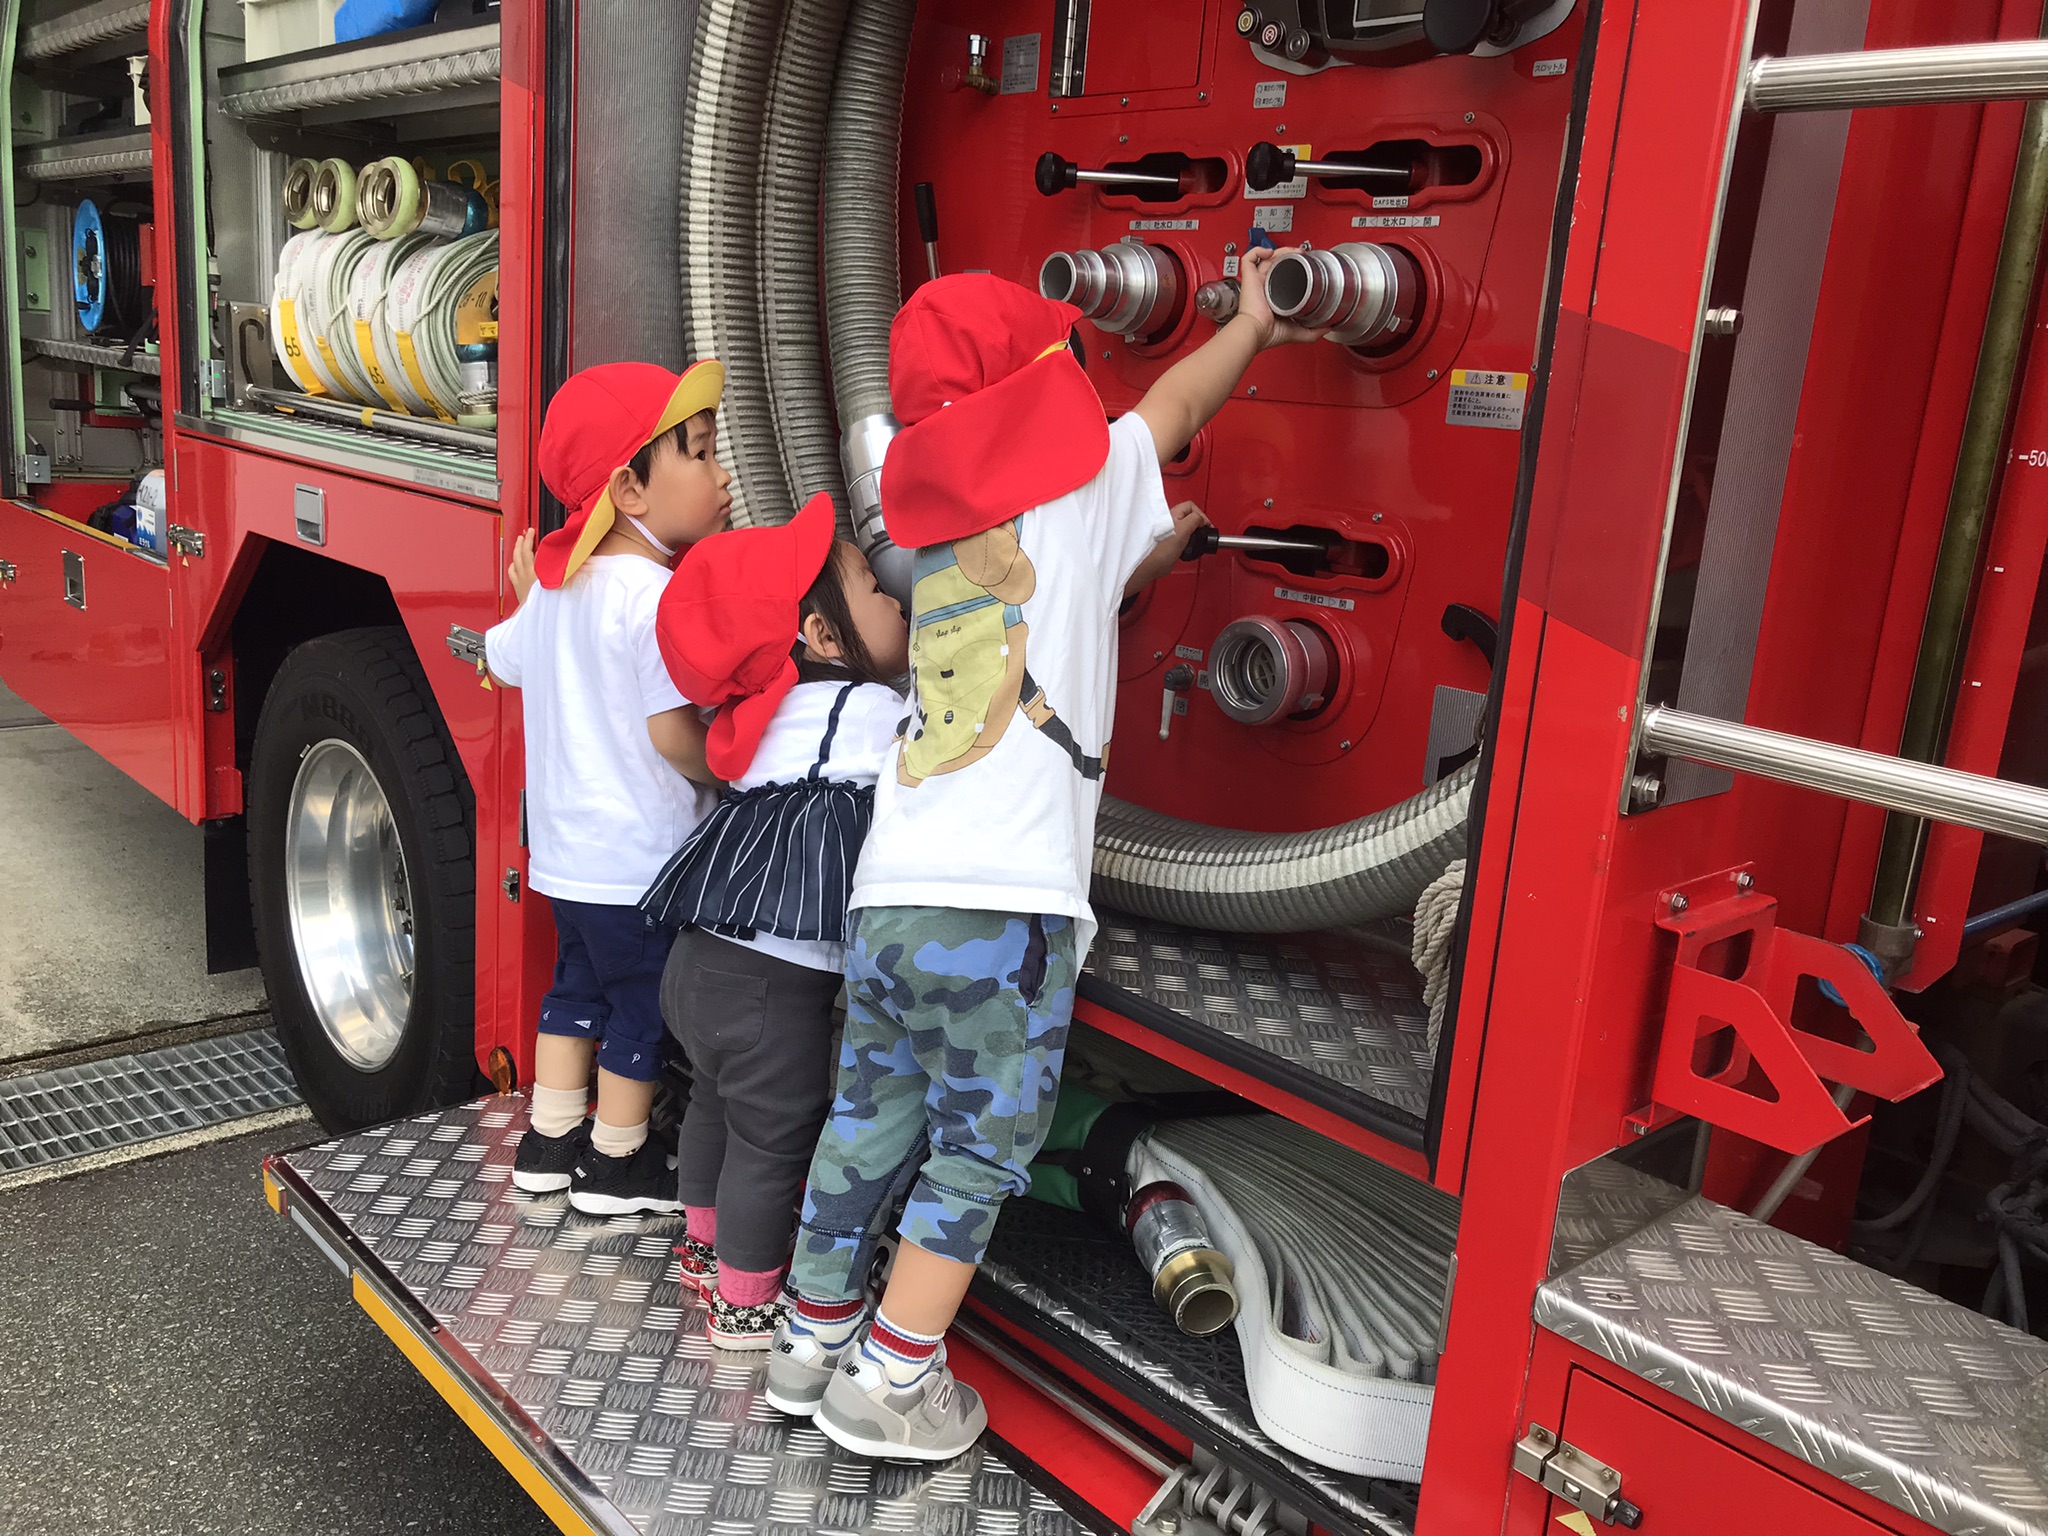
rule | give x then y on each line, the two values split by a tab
998	416
595	424
728	621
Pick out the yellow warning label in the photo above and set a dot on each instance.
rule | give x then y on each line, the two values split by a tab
1577	1521
476	313
1481	399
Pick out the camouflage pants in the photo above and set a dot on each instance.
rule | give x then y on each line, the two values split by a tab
949	1071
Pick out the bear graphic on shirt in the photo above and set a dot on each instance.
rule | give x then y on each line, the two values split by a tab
966	649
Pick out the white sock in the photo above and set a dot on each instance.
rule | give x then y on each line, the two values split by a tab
906	1357
617	1140
558	1111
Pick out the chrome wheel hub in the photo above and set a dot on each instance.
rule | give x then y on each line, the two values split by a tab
351	903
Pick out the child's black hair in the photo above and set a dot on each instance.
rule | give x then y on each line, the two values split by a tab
642	463
827	600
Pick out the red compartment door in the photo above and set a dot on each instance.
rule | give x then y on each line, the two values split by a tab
1689	1484
101	670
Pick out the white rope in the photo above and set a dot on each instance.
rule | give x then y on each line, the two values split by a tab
1436	920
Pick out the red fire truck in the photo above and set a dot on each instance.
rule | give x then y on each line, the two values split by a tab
1588	774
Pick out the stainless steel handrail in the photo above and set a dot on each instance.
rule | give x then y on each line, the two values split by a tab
1898	77
1940	794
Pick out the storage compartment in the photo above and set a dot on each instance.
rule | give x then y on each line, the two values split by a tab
85	404
351	217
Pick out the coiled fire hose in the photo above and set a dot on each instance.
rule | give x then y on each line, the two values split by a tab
367	292
1341	1267
443	302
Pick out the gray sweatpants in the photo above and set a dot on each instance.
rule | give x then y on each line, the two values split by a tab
758	1033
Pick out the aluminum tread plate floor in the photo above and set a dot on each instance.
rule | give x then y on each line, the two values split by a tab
1926	1405
66	1112
1063	1278
582	1321
1336	1018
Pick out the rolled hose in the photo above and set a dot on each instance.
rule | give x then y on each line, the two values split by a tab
1145	862
421	311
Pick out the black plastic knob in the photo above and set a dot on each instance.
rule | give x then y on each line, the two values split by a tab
1054	175
1267	166
1458	26
1203	541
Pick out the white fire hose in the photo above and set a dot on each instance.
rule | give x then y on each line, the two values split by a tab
1340	1268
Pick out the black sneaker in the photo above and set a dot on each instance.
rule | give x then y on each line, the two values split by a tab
620	1186
542	1164
732	1326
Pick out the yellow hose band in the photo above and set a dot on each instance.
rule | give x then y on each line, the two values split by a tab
366	349
411	360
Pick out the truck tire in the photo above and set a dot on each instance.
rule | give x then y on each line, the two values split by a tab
362	874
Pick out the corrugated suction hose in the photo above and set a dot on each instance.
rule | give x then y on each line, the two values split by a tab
750	174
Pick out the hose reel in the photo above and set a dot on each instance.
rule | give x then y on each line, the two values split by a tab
106	273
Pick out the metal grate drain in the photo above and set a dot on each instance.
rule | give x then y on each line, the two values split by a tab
66	1112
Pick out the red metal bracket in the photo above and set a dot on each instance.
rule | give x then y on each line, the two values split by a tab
1730	1017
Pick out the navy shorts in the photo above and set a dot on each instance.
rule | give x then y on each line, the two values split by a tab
607	987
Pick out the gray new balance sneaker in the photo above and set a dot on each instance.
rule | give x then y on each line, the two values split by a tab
798	1369
935	1420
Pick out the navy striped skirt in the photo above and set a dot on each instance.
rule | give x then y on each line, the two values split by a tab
778	859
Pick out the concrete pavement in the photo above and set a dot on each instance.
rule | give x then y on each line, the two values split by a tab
101	926
177	1361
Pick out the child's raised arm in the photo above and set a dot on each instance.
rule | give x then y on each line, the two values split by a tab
678	735
1194	389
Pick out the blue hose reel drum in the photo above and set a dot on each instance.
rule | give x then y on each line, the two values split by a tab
89	266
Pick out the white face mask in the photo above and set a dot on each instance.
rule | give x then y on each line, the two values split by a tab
666	552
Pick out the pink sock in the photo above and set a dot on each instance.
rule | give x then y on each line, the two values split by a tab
749	1287
703	1223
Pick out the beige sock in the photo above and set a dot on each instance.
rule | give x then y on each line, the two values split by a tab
558	1111
617	1140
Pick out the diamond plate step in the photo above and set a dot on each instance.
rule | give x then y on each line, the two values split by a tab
1334	1018
573	1335
1064	1279
1933	1408
66	1112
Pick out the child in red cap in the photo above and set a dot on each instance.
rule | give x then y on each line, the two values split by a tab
1032	519
794	640
611	752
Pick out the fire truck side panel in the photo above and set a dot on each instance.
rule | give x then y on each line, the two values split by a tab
86	637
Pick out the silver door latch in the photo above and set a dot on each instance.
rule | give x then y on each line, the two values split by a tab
466	644
1572	1475
189	542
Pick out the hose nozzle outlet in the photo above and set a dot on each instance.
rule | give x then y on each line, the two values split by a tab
1191	1280
1367	296
1134	290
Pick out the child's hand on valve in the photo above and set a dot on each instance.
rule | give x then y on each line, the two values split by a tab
1187	517
1252	303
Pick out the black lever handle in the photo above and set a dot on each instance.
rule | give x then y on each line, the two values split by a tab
927	213
1461	621
1055	174
1268	165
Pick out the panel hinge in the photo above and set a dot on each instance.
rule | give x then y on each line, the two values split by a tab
1572	1475
189	542
7	571
466	644
32	468
213	378
511	884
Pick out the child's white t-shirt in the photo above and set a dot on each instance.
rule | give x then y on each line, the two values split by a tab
604	810
1013	830
789	747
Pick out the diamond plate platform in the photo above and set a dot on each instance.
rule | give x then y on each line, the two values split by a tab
1068	1281
573	1333
1335	1018
1928	1406
66	1112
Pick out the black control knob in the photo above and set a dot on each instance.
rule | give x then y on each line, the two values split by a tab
1249	21
1267	166
1054	175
